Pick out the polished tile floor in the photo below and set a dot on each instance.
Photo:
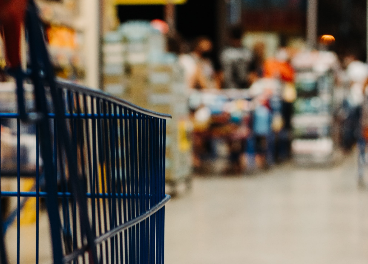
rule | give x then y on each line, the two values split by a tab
284	215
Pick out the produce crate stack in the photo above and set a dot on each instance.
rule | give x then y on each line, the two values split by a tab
113	64
136	40
148	76
126	54
167	94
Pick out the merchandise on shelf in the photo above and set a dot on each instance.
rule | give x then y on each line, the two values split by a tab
138	69
65	52
237	127
65	37
113	67
2	54
160	87
128	54
312	122
2	62
166	93
61	12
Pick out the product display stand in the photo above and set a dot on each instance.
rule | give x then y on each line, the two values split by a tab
313	141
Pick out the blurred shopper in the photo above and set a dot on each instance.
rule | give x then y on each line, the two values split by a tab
357	73
235	61
280	68
200	74
257	63
198	67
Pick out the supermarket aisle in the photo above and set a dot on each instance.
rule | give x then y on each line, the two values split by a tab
286	215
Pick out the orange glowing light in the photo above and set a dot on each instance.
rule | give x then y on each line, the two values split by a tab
327	39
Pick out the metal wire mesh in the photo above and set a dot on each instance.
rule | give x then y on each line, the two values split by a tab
120	152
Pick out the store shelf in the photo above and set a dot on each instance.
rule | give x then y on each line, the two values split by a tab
313	120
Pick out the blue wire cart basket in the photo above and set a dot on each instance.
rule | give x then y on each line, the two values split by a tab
120	154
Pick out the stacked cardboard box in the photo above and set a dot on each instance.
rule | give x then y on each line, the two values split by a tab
149	77
136	78
113	64
141	44
160	87
167	94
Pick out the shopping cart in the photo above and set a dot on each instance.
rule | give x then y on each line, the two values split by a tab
100	168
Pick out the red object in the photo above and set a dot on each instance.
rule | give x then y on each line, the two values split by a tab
160	25
276	69
12	13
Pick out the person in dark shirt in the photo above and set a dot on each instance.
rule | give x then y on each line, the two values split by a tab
235	61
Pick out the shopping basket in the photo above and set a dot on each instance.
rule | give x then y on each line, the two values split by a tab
99	166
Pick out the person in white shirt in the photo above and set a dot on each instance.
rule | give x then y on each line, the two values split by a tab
198	69
357	73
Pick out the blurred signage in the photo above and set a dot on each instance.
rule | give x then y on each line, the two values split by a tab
275	4
234	11
284	16
149	2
